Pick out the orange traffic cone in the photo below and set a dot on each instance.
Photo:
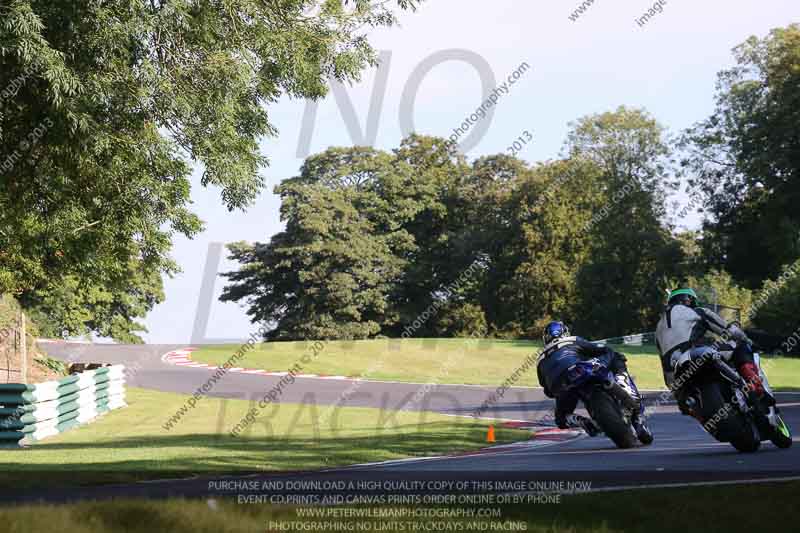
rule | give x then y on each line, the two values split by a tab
490	434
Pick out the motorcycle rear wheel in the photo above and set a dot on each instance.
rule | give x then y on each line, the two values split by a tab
608	415
731	425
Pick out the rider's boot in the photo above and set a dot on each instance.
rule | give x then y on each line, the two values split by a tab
638	419
643	432
760	399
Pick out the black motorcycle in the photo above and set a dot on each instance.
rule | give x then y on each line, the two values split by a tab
714	393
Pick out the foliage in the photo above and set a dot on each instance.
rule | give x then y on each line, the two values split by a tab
780	313
54	365
745	160
106	106
374	239
462	320
536	271
620	285
691	244
329	273
717	286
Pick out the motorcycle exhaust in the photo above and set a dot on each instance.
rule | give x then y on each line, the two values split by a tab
729	373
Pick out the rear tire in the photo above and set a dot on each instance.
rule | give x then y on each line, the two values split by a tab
749	440
608	415
731	426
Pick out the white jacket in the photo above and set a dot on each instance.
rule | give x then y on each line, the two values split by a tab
682	327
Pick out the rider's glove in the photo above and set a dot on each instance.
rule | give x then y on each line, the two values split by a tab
737	334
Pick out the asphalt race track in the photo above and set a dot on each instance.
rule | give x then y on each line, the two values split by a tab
681	454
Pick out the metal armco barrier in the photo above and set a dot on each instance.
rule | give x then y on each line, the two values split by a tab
639	339
29	413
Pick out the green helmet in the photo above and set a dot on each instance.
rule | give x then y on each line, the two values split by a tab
681	295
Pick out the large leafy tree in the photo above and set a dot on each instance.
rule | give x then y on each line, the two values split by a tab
745	160
371	241
534	274
377	241
442	248
631	251
326	276
329	274
106	106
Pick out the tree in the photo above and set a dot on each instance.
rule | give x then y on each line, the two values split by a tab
330	273
442	247
326	276
631	251
745	160
494	246
371	242
776	306
691	243
488	228
718	287
534	274
104	108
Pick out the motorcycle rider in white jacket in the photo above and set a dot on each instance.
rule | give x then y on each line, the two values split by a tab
681	334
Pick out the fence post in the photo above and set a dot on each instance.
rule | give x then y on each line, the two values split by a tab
24	346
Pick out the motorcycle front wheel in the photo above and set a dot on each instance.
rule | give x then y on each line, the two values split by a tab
782	437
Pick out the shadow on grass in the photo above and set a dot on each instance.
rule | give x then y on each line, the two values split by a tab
167	456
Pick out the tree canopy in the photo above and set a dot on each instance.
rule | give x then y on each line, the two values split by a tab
106	108
381	239
745	160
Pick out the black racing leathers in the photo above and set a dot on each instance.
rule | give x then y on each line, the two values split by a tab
557	357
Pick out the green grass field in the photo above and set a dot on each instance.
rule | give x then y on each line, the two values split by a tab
132	444
688	510
485	362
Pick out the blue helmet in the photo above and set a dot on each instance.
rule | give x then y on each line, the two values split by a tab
553	331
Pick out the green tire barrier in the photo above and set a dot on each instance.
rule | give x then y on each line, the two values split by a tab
29	413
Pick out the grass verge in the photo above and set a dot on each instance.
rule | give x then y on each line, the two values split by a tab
485	362
733	509
131	443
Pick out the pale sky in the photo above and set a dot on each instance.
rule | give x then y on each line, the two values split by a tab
603	60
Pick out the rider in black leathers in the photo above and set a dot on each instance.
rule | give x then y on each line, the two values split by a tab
561	351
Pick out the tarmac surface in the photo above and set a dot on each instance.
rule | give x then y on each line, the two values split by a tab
682	454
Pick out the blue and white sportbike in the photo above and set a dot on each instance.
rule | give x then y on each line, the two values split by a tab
611	402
